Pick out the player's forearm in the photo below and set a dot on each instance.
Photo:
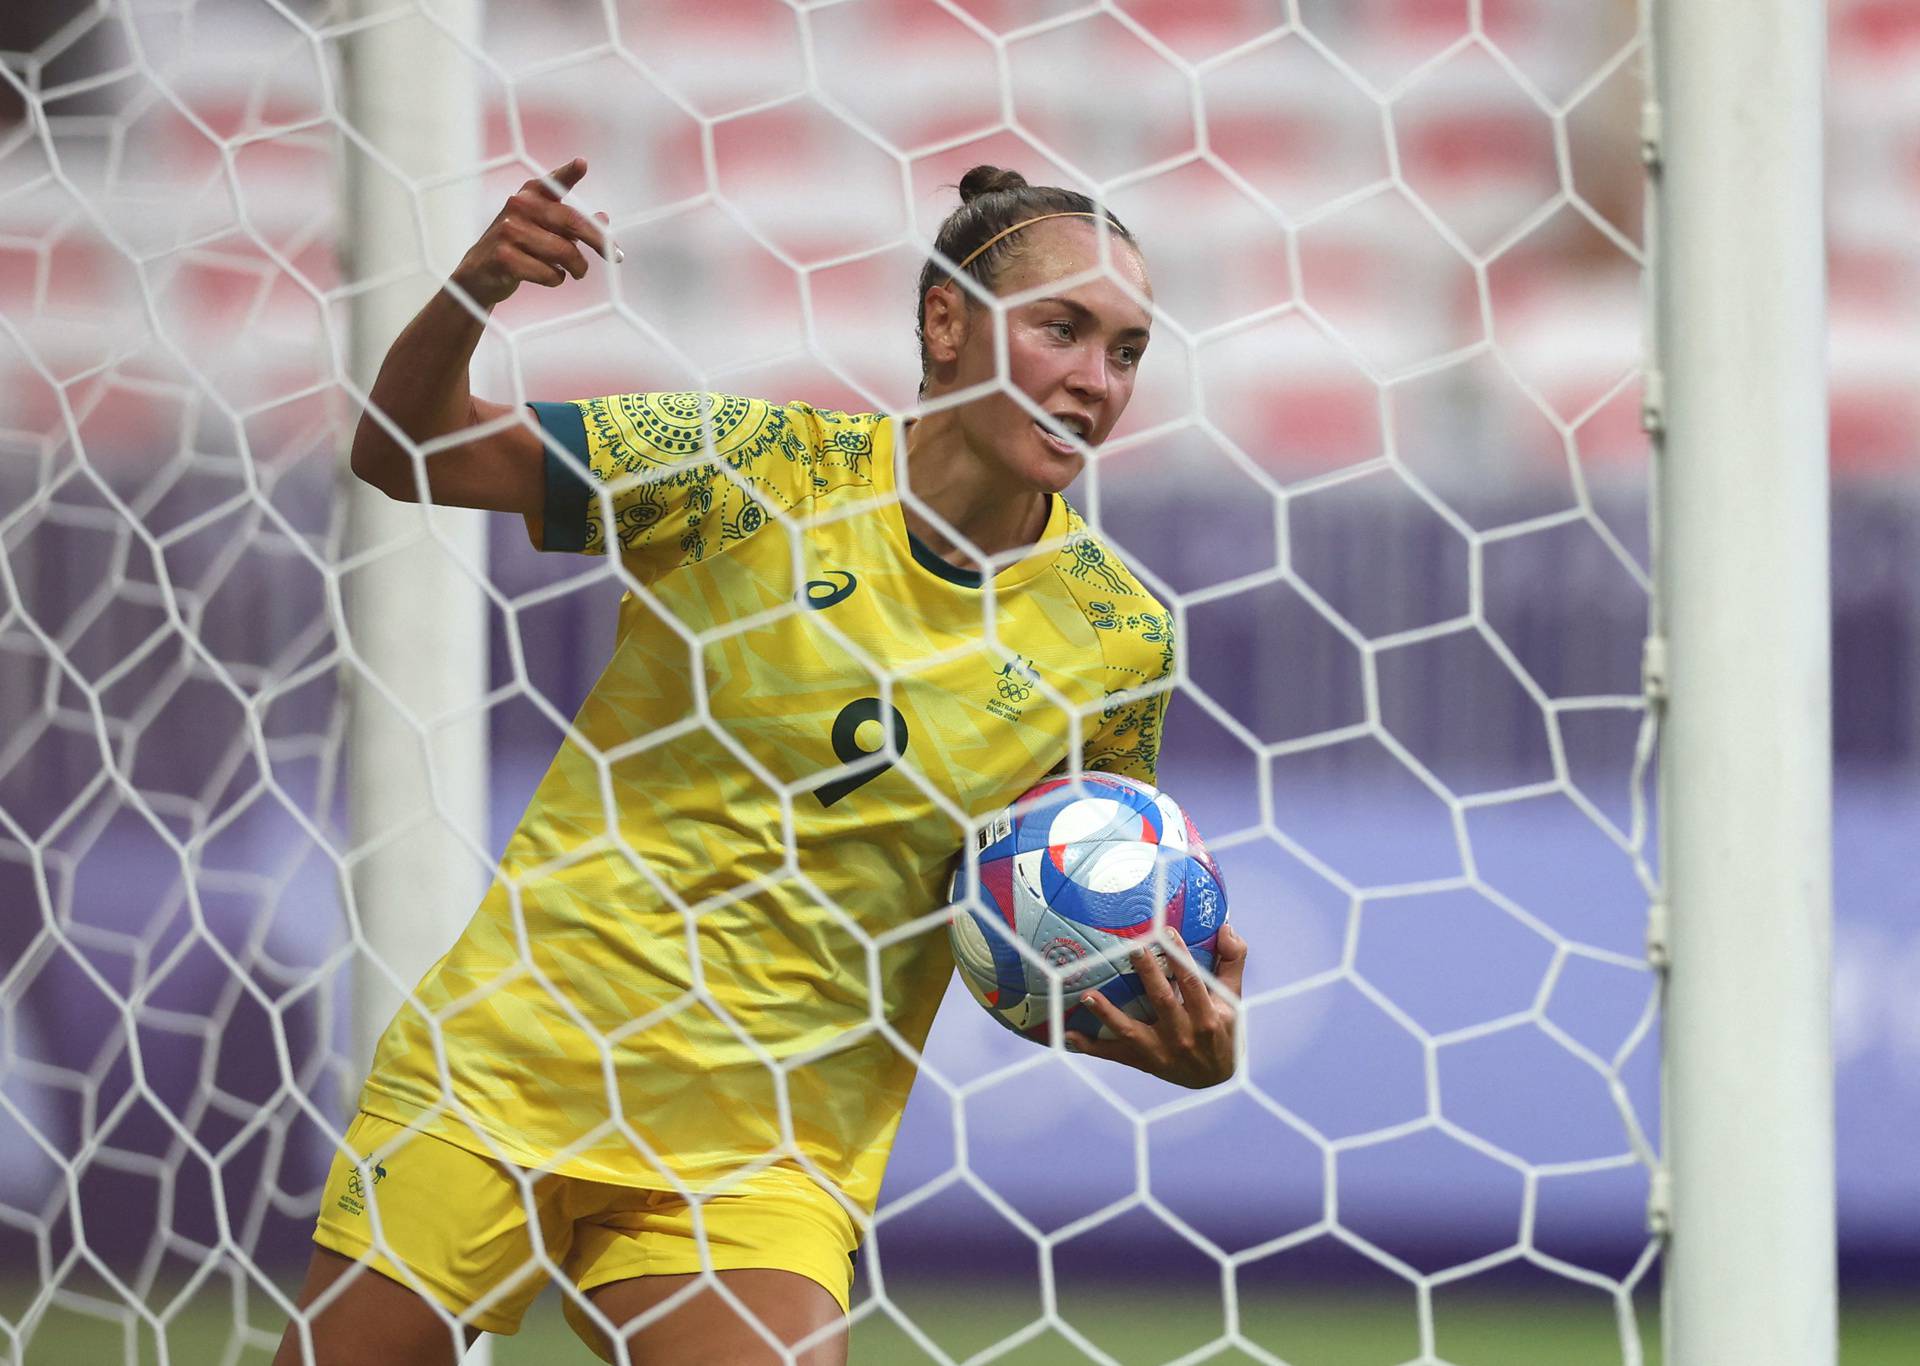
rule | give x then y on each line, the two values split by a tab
421	390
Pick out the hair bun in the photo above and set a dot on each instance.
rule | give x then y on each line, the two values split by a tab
989	180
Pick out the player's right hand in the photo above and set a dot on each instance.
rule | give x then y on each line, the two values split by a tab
534	238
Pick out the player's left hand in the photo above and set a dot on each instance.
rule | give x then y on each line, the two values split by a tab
1191	1041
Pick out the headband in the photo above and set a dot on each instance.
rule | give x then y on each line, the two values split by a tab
974	254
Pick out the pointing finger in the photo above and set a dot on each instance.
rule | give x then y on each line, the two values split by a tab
555	183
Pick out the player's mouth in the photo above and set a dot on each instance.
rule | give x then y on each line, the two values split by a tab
1056	432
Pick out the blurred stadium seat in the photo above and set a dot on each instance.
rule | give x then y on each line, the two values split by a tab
1289	132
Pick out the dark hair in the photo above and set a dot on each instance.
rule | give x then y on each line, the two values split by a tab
992	199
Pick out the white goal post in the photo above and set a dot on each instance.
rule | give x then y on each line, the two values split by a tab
1741	642
416	613
416	616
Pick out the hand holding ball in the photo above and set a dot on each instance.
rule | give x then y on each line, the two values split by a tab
1069	882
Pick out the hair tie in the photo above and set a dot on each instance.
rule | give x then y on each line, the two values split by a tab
975	253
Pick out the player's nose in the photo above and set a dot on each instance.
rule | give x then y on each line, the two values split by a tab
1088	377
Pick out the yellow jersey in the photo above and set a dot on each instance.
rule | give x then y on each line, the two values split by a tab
715	940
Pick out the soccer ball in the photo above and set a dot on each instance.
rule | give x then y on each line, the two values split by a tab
1081	872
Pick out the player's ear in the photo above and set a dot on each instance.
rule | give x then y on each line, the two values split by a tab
944	322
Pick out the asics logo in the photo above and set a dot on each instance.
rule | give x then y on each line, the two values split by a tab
826	592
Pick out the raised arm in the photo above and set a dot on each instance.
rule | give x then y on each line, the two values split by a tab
422	388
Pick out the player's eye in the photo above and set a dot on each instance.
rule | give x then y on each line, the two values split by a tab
1062	330
1128	356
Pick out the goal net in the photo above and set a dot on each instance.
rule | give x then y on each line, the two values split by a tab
1384	466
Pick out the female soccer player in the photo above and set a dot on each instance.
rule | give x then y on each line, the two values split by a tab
672	1039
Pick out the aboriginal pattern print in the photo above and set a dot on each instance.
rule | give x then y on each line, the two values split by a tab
687	474
672	980
1137	637
1088	563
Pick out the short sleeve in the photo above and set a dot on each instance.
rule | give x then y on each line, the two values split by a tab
669	478
1125	738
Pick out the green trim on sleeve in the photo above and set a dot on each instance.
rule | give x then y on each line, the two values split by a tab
564	518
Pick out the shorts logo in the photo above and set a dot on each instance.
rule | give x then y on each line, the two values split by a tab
355	1200
826	592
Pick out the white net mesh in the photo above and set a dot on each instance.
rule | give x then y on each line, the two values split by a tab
1384	465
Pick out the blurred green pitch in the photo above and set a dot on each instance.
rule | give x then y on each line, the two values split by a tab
1335	1328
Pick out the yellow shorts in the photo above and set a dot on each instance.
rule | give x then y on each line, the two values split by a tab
455	1224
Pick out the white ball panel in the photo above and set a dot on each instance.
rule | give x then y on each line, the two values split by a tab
1024	1014
1091	818
1111	868
1029	901
970	948
1173	823
975	990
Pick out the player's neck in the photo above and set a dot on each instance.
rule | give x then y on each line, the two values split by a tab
969	493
